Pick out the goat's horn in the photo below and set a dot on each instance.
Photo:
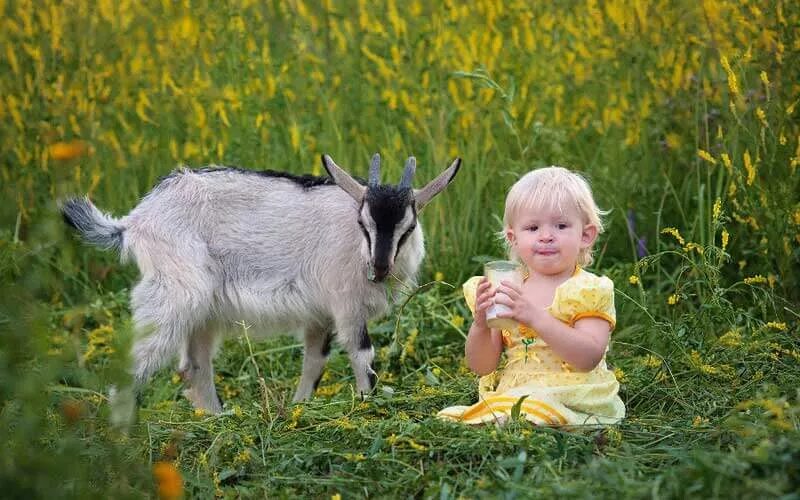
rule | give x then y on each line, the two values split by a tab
375	170
408	172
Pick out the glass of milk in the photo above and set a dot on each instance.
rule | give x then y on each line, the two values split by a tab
497	271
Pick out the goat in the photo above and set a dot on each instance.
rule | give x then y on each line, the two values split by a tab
279	251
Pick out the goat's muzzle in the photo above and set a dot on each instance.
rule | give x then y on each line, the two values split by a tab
379	272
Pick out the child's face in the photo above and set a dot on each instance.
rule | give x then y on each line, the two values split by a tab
549	241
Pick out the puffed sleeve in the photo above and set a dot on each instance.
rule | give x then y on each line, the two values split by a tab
470	289
586	296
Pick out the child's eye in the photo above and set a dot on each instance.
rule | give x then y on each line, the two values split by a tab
563	225
533	228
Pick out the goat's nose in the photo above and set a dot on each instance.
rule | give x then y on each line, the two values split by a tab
380	272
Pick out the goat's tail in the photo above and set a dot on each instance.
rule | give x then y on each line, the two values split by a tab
95	226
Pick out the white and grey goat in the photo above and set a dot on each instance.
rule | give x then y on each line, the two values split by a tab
279	251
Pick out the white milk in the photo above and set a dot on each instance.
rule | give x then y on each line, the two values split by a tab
497	271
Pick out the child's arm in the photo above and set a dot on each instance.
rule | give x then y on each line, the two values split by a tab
484	345
582	345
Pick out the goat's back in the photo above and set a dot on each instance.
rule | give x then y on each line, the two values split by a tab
269	245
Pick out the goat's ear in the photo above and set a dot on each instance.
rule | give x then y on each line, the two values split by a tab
343	179
434	187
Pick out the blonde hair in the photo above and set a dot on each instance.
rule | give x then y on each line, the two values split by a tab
553	187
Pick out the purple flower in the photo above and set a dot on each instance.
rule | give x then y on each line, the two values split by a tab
641	243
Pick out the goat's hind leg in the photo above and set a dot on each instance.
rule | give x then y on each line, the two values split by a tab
315	355
173	313
196	369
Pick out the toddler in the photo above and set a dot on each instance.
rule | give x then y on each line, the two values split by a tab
555	358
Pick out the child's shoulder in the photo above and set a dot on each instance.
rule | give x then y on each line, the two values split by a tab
584	278
584	282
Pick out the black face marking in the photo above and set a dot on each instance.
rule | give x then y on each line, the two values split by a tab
364	341
387	207
373	379
364	230
316	382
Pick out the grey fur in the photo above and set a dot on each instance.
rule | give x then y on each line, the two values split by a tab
96	227
216	246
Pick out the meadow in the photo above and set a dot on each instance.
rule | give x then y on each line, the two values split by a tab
683	114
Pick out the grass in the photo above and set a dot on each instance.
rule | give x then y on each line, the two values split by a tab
683	116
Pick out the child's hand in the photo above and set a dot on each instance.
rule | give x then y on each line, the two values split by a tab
483	300
522	309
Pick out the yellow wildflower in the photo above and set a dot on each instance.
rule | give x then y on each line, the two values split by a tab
717	210
439	276
699	421
297	412
413	444
725	237
693	246
457	321
675	233
754	280
672	140
619	374
762	116
242	457
330	390
748	166
336	496
354	457
168	480
733	85
408	347
673	299
780	326
651	361
726	160
705	155
633	279
731	338
294	136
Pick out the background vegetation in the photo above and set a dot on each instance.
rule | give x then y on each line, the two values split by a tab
683	114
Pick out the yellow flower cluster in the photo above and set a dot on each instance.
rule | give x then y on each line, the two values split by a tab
675	233
297	412
754	280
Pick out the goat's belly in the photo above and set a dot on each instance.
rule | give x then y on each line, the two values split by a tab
270	308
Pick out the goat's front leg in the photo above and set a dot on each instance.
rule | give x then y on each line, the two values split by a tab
317	349
359	347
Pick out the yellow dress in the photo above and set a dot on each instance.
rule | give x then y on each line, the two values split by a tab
555	394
